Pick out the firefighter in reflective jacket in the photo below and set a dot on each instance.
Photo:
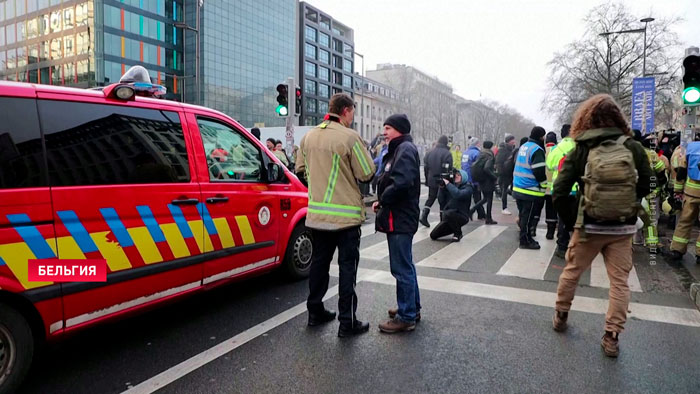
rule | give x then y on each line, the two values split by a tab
333	160
688	175
649	214
529	186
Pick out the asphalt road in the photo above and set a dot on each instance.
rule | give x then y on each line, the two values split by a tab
483	330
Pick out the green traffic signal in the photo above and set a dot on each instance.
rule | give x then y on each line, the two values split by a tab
281	110
691	96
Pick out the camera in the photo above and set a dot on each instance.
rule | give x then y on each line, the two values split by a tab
446	173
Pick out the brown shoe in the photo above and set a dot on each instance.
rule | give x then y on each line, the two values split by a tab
610	345
395	325
559	321
395	311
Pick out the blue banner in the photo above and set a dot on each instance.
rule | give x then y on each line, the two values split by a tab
643	90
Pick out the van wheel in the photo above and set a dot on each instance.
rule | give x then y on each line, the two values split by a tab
16	349
297	259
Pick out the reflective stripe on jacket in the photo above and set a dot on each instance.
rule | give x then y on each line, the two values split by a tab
334	160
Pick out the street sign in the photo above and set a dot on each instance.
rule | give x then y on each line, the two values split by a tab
643	91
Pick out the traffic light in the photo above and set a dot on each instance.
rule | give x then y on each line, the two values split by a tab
283	106
691	79
298	101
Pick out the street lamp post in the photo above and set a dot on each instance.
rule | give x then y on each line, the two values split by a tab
640	30
362	99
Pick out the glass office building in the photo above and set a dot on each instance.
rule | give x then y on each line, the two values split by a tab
247	48
326	58
90	43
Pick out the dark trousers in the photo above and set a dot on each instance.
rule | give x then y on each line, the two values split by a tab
563	236
550	212
528	214
451	223
404	271
432	195
505	182
476	195
325	242
488	200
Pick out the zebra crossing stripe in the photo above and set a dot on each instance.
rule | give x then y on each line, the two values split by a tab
599	275
381	250
455	254
530	264
649	312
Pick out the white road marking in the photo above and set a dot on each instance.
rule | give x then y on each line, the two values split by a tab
648	312
455	254
657	313
530	264
380	250
599	275
174	373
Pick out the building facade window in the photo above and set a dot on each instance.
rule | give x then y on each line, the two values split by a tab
311	105
310	33
337	45
347	65
324	90
347	81
325	22
324	39
324	74
324	56
310	87
310	50
309	69
322	107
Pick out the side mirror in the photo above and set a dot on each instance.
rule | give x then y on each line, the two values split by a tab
275	173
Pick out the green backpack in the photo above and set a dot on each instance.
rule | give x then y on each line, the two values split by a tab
610	177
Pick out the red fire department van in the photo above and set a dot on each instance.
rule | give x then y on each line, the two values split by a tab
176	198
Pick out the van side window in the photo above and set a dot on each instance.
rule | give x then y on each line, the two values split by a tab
21	151
230	156
96	144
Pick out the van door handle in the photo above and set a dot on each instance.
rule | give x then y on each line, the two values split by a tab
186	201
214	200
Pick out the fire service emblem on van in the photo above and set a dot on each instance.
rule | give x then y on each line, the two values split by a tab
264	216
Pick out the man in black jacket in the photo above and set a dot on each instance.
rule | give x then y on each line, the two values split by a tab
397	216
456	213
483	171
437	161
505	172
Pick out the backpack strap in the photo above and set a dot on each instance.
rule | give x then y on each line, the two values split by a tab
621	140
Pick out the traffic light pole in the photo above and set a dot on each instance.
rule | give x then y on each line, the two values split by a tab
289	128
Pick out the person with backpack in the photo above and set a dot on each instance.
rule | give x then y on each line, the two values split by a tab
484	172
550	141
529	186
468	159
613	174
504	171
555	159
687	189
437	161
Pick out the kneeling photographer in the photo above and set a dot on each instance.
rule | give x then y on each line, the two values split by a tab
457	194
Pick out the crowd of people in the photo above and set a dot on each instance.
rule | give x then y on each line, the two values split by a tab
600	186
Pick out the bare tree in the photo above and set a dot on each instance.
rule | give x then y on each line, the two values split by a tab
607	64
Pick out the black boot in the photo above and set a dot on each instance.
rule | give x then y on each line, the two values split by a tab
551	228
424	217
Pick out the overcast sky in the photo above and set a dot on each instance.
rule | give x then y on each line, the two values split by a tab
486	49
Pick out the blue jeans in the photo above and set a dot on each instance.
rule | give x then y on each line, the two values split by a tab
404	271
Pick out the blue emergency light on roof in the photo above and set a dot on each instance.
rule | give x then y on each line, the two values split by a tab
136	81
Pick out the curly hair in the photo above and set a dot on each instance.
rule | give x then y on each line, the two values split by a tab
598	112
